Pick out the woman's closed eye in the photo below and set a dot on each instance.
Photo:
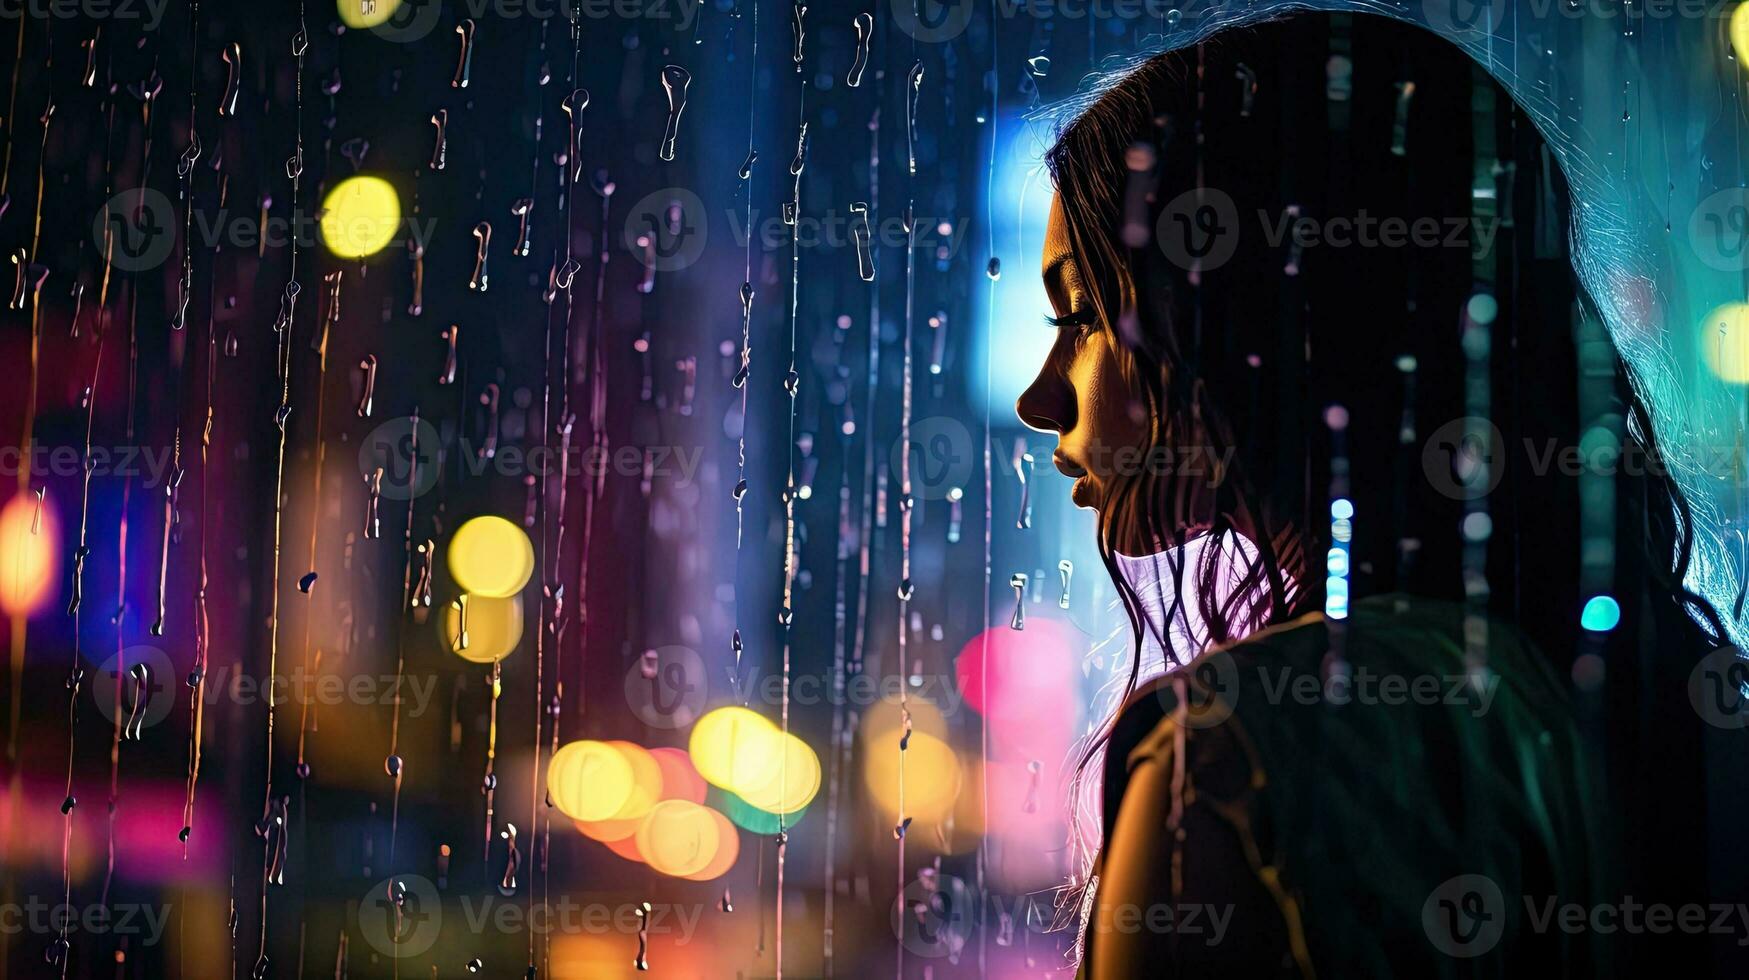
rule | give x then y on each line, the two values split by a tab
1077	321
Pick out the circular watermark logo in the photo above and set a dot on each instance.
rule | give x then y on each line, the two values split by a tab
1465	916
935	919
1718	688
135	688
411	21
1199	229
136	229
667	687
667	229
941	457
1462	458
1718	230
1456	18
407	452
933	21
1210	690
401	916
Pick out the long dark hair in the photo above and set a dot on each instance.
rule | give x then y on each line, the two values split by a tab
1199	343
1111	165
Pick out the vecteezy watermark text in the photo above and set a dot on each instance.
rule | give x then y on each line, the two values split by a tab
668	230
937	915
136	230
669	688
412	456
140	682
939	21
153	463
681	13
1467	916
404	916
1201	229
1467	457
1213	688
149	12
37	916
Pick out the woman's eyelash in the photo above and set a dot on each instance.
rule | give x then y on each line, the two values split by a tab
1079	318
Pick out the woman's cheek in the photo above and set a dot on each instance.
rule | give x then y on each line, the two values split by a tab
1109	403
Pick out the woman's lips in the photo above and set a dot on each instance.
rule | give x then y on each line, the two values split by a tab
1067	466
1082	491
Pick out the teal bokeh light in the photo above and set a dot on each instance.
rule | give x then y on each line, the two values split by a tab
1602	614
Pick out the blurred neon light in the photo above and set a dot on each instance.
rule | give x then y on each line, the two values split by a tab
360	216
494	627
29	561
1336	562
589	780
367	13
1011	315
736	748
1602	614
489	556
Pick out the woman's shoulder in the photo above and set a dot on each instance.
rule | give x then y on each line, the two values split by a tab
1404	694
1365	763
1396	660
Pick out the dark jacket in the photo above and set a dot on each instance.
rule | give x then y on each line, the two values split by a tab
1423	820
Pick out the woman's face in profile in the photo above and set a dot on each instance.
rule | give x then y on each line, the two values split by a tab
1081	392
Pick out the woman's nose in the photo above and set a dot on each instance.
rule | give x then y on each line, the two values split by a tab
1048	404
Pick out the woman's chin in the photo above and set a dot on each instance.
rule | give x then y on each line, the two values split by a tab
1084	494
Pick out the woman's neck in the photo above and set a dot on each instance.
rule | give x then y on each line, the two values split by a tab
1179	588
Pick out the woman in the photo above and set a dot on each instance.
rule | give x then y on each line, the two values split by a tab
1401	792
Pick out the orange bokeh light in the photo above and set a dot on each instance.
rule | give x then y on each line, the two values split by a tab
589	780
728	849
646	791
29	555
680	781
626	847
932	779
679	838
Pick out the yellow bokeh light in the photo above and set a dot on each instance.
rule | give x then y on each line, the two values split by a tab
932	779
494	627
679	838
367	13
589	780
489	556
884	721
646	793
728	849
29	561
1724	342
1740	34
793	785
360	216
736	748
